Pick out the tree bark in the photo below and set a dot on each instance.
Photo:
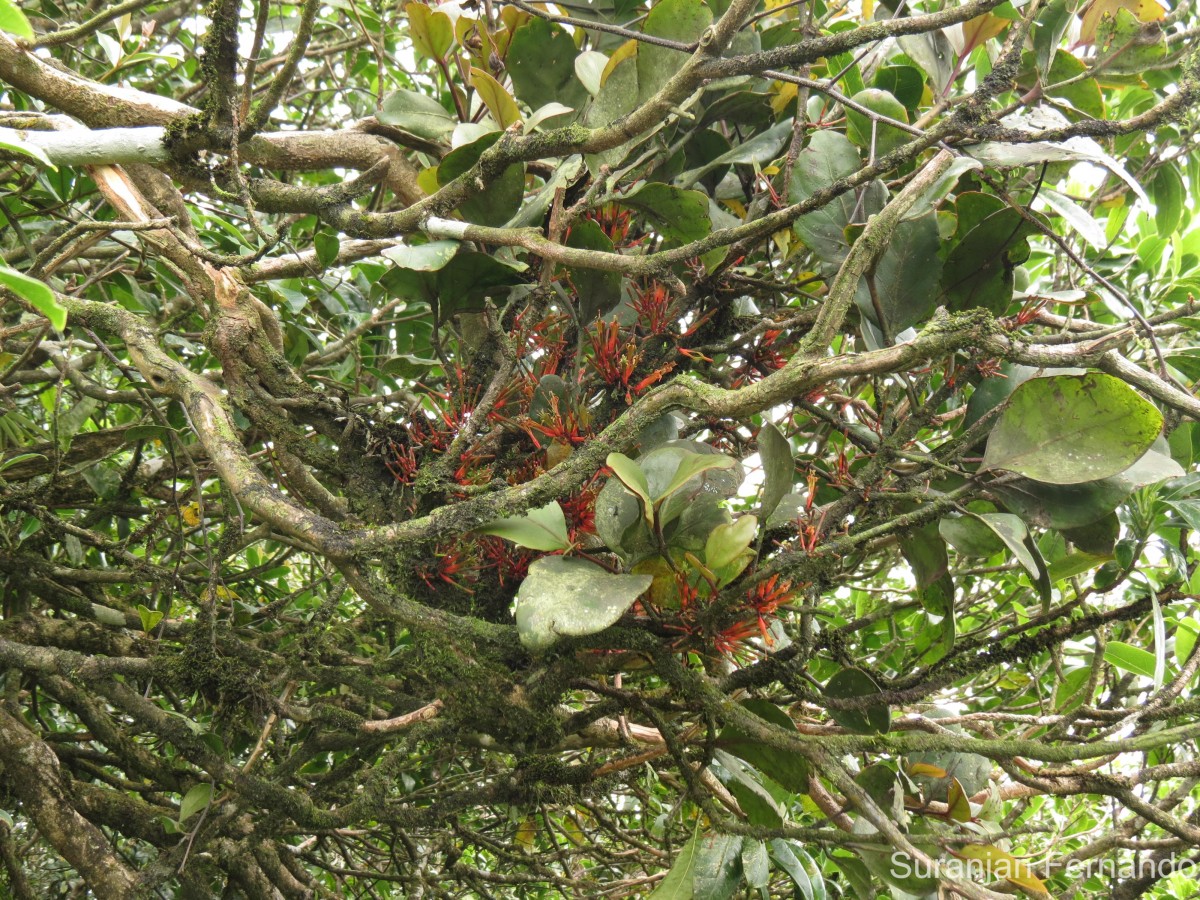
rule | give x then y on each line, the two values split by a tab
34	777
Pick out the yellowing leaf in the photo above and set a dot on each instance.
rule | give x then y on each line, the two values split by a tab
981	29
498	101
782	96
956	801
622	53
432	33
737	207
191	515
927	769
1001	864
427	180
1097	10
526	832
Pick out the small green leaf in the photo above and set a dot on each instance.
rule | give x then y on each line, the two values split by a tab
16	145
1129	658
327	245
680	880
35	293
727	542
862	130
540	529
432	32
417	114
692	465
800	867
13	20
499	102
428	257
541	62
149	617
169	825
195	800
564	597
630	474
1075	564
1070	429
778	468
678	20
680	216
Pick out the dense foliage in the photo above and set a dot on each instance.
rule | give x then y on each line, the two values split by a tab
704	448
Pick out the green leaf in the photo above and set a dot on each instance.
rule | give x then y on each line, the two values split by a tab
757	151
36	294
417	114
905	280
680	881
631	475
970	536
564	597
1070	429
886	137
11	141
979	269
959	806
1186	632
1170	199
676	20
778	468
789	770
745	783
681	216
540	529
691	465
431	31
1077	217
13	20
800	867
756	864
589	67
830	157
1129	658
727	542
541	63
428	257
1075	564
718	871
469	277
925	552
617	98
850	684
598	291
1096	538
496	98
1012	534
195	800
501	199
327	245
149	617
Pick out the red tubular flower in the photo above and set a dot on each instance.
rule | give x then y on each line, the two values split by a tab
653	306
452	565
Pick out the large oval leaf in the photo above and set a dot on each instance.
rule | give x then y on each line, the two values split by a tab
572	597
1069	429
